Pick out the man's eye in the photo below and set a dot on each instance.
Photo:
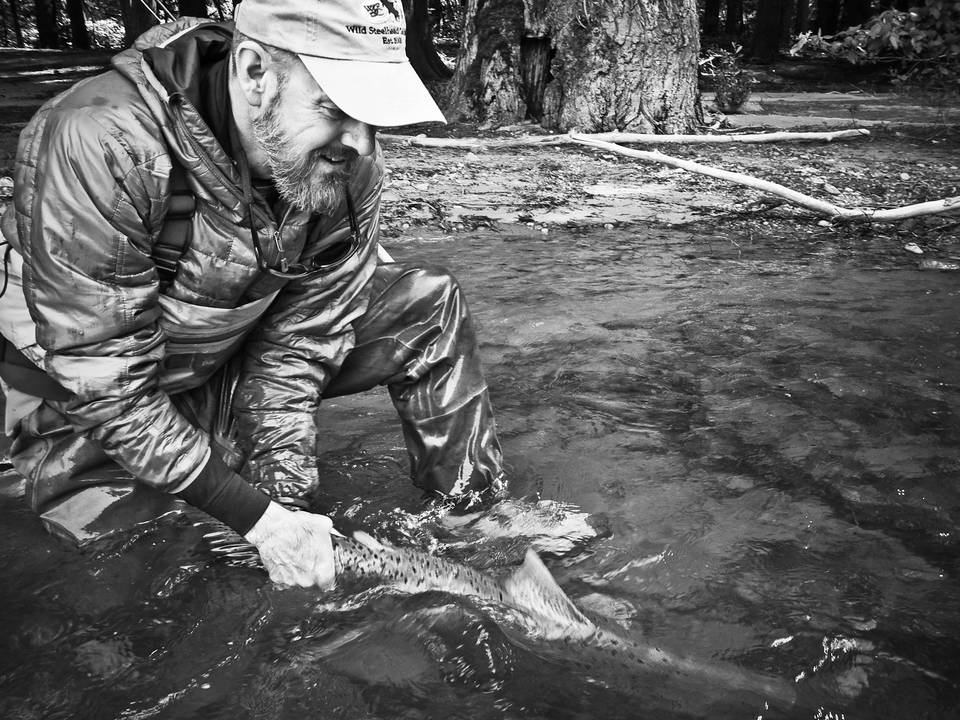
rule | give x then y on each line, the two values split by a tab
332	111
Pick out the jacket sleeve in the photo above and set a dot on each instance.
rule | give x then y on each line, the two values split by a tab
301	344
86	210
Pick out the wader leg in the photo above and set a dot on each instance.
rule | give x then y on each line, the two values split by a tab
417	338
78	491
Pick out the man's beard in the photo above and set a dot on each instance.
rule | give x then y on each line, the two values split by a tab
297	175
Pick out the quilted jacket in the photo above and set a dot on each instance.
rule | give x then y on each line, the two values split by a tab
91	193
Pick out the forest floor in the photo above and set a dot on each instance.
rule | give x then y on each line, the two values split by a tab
911	155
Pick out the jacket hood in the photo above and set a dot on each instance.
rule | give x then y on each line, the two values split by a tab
165	65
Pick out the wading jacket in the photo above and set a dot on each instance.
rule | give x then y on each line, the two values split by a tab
92	186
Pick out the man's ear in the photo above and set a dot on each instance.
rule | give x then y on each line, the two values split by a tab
255	73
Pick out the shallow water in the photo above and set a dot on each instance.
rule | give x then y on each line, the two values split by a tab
766	442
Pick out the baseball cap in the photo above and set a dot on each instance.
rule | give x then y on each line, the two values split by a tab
354	49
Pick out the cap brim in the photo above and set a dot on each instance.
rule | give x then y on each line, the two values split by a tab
377	93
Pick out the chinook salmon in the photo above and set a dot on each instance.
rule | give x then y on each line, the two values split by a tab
531	591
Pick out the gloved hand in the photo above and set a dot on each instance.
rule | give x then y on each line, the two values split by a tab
295	547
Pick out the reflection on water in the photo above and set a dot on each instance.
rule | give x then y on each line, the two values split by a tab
766	444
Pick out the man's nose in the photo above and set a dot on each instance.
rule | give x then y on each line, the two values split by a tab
359	136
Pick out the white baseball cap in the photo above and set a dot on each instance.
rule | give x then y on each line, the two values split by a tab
354	49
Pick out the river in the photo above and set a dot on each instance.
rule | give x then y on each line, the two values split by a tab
764	442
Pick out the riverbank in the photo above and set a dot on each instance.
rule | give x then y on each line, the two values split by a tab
911	155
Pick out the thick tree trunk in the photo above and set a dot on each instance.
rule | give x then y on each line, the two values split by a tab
604	65
48	26
486	83
79	37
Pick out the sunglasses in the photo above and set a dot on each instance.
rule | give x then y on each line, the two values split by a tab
325	261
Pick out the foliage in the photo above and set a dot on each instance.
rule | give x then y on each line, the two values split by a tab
106	33
922	43
725	69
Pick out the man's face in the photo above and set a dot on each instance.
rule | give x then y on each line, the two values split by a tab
310	145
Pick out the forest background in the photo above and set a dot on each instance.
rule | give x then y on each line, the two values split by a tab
515	68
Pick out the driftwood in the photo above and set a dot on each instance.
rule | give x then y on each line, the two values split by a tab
820	206
623	137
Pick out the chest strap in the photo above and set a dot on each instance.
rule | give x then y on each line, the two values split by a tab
174	237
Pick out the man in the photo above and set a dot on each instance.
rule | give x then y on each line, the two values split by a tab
199	375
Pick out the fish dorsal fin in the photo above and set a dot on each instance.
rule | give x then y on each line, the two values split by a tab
532	589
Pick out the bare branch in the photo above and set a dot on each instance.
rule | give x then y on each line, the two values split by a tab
820	206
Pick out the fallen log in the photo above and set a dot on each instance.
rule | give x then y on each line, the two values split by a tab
624	137
821	206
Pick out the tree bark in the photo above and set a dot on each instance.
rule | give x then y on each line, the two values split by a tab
48	30
80	38
613	65
486	80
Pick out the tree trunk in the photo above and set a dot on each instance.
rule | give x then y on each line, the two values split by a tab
828	16
801	21
137	19
733	25
613	65
710	26
486	80
771	27
15	22
5	26
79	38
420	49
193	8
855	12
48	30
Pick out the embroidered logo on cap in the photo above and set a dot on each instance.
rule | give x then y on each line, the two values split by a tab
386	22
383	10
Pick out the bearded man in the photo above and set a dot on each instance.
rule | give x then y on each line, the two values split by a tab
130	380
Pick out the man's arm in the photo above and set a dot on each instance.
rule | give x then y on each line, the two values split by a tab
85	210
300	345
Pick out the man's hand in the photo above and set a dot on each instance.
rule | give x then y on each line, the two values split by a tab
295	547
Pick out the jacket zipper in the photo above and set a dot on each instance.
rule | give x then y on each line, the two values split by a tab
278	239
177	100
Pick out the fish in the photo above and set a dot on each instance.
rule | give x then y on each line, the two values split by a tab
544	610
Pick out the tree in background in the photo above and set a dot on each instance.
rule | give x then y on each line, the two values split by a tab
47	15
591	65
11	24
79	37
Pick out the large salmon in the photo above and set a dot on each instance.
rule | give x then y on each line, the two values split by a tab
532	591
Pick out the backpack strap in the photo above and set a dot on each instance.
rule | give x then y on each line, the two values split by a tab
174	237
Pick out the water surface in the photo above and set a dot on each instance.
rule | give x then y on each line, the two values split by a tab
766	441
